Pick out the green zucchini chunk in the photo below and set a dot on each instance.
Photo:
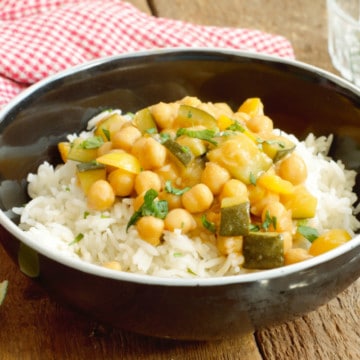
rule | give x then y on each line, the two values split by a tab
235	220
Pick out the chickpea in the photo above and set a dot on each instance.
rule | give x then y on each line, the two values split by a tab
258	206
260	124
281	215
229	244
149	152
122	182
150	229
296	255
234	188
168	172
164	114
100	195
126	137
174	201
146	180
214	176
199	198
293	169
179	219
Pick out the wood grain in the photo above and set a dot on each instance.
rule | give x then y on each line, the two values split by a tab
34	326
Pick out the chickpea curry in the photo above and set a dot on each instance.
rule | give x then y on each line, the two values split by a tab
224	176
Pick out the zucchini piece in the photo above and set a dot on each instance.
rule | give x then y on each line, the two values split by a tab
88	173
181	153
78	152
234	219
241	157
263	250
144	121
278	147
109	126
189	116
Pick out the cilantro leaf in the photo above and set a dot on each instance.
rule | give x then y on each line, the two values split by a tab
172	190
93	142
209	225
78	238
150	207
269	220
308	232
205	134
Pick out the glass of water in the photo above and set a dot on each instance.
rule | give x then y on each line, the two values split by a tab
344	37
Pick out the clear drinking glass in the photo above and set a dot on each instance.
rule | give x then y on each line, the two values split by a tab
344	37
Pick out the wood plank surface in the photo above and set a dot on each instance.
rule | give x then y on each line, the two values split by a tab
33	326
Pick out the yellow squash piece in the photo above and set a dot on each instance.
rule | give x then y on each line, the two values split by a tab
252	107
88	173
275	184
64	148
121	160
328	241
77	152
301	203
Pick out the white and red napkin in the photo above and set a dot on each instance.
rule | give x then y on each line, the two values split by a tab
41	37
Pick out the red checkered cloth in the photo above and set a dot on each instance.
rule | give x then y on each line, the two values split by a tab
41	37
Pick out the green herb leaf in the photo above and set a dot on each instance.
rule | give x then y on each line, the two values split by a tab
86	214
308	232
106	133
151	131
172	190
78	238
164	137
206	134
236	126
269	220
254	228
93	142
209	225
191	271
150	207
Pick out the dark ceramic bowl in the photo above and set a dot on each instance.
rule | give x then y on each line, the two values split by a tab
300	99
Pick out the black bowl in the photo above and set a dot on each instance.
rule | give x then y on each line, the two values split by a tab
300	99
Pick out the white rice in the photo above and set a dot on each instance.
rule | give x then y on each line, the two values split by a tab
58	213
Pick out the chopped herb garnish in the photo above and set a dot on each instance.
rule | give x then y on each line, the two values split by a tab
93	142
86	214
172	190
252	178
78	238
189	114
269	220
254	228
150	207
178	254
206	134
236	126
209	225
308	232
190	271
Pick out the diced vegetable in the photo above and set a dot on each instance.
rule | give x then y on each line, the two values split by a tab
328	241
109	126
189	116
88	173
252	107
241	157
234	218
277	147
122	160
78	152
181	153
275	183
145	122
301	203
64	148
263	250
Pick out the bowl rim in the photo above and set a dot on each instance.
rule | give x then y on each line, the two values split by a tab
97	270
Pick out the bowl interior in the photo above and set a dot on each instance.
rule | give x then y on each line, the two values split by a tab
299	98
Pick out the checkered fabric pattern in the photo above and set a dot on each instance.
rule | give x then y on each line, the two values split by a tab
41	37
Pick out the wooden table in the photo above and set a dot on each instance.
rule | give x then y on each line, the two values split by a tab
33	326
